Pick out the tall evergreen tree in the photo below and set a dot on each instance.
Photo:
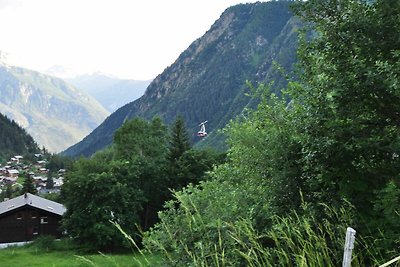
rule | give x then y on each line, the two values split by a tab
28	185
50	181
179	140
179	143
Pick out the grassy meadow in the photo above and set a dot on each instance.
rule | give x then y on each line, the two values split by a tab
60	255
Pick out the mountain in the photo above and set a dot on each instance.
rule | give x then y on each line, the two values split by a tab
53	112
61	72
111	92
208	80
14	140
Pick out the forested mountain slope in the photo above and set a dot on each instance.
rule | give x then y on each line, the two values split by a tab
55	113
208	80
14	140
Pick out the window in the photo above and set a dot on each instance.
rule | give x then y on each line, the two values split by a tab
19	216
44	220
33	214
35	231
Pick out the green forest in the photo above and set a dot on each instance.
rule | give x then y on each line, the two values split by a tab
307	163
14	140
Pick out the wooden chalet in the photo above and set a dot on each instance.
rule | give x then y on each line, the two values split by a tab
25	217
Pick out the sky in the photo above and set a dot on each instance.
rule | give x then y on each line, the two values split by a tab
132	39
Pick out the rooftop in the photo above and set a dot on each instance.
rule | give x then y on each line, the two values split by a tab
33	201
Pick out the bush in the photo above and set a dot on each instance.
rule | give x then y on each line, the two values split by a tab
45	243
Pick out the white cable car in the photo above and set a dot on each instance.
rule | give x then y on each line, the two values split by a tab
202	132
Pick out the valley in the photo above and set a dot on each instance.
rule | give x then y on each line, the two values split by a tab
272	140
55	113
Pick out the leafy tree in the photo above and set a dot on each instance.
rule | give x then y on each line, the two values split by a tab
96	192
144	145
350	100
193	165
28	185
57	162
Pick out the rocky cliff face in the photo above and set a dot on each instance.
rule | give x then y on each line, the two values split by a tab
53	112
208	80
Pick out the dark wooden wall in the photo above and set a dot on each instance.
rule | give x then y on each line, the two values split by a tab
27	223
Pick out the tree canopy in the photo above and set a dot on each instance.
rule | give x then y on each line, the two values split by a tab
128	183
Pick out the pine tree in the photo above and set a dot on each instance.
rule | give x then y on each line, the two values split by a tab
28	186
50	181
178	144
179	140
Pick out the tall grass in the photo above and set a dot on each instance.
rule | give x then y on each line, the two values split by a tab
295	240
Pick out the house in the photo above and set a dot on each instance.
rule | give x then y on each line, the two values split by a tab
12	173
25	217
10	180
16	159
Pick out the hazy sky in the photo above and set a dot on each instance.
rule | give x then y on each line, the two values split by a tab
128	38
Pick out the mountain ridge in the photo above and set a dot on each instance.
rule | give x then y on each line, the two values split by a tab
111	92
208	80
53	112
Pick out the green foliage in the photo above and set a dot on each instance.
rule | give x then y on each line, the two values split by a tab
179	140
57	162
127	184
50	181
45	242
96	192
194	164
350	101
142	145
28	185
387	205
189	236
14	140
187	165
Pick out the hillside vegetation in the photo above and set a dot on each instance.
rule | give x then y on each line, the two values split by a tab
14	140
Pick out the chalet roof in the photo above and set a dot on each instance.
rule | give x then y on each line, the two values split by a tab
33	201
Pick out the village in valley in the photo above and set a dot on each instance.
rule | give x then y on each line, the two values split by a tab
15	172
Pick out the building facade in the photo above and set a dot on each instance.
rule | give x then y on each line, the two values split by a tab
25	217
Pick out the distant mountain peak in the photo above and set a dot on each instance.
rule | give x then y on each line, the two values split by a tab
110	91
61	72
